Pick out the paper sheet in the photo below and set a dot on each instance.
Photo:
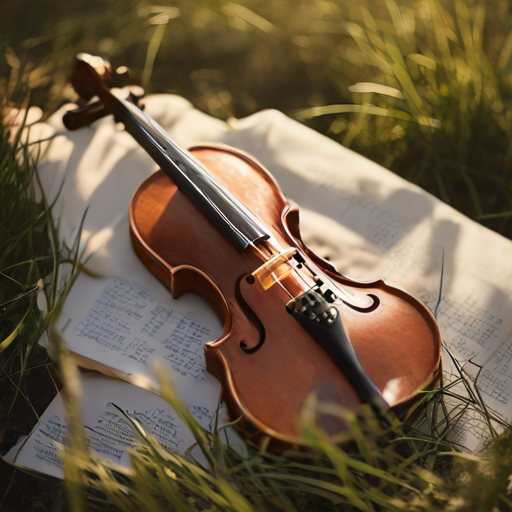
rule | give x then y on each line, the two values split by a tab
128	320
371	223
106	406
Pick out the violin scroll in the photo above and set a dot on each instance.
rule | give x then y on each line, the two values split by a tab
118	80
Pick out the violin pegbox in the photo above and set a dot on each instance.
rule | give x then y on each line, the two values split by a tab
117	80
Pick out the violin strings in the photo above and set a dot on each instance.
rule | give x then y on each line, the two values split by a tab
282	286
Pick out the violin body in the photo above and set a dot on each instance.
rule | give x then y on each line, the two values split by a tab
214	222
265	361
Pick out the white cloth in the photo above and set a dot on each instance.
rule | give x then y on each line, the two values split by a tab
368	221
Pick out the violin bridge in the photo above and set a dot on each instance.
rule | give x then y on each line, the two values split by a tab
275	270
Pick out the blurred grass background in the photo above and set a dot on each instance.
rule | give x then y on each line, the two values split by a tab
421	87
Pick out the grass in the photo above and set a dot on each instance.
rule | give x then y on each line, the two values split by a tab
437	109
35	272
422	87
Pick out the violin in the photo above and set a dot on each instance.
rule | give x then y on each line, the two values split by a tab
214	222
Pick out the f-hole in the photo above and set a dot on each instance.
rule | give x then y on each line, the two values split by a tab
251	315
372	307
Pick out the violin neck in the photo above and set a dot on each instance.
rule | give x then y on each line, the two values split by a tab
236	223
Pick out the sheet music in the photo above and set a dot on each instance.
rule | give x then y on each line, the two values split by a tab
128	321
128	328
368	221
107	405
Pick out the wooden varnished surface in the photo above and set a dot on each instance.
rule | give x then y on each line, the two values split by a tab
398	343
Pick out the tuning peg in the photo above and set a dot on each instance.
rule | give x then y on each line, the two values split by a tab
121	76
87	114
84	116
136	93
116	80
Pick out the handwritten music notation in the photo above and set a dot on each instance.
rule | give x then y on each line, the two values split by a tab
467	327
470	429
362	214
112	435
203	415
185	347
112	411
474	333
44	438
128	320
